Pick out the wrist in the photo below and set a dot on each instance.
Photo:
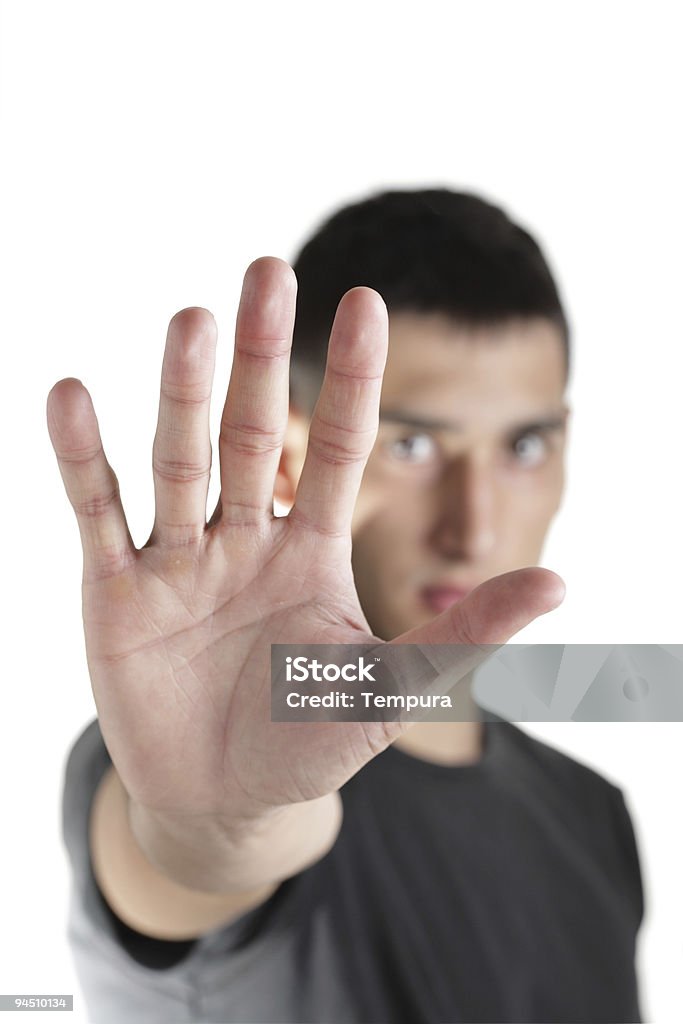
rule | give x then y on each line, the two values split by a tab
224	854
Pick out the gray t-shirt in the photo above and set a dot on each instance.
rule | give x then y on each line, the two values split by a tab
506	890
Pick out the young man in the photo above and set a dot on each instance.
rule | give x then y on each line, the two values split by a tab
229	868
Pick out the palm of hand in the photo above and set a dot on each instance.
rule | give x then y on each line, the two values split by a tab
180	665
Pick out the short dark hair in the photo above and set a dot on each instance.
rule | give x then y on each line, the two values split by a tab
427	251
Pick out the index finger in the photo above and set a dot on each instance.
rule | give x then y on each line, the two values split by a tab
346	416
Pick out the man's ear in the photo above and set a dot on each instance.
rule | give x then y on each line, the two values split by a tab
292	457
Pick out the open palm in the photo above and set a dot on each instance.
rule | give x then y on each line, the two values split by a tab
178	633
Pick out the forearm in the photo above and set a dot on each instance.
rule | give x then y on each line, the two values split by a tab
173	881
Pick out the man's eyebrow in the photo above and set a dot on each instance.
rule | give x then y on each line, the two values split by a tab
554	421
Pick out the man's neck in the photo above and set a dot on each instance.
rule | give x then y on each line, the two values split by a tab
458	742
448	743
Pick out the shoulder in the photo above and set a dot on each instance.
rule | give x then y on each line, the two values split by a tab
88	746
558	768
86	764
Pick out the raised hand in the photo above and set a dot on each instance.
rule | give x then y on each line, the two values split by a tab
178	633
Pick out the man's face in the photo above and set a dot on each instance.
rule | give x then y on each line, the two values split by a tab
468	468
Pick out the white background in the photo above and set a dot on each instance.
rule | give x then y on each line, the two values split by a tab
152	150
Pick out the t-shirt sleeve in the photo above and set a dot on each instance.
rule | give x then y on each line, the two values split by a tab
109	957
629	849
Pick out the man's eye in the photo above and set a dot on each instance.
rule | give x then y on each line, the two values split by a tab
530	449
415	448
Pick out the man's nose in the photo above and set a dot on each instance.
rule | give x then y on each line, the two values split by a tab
467	516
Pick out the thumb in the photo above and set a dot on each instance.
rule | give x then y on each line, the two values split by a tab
471	630
494	611
432	659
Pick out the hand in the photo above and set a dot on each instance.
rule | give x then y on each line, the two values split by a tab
178	633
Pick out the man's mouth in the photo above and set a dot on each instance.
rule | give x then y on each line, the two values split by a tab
440	598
